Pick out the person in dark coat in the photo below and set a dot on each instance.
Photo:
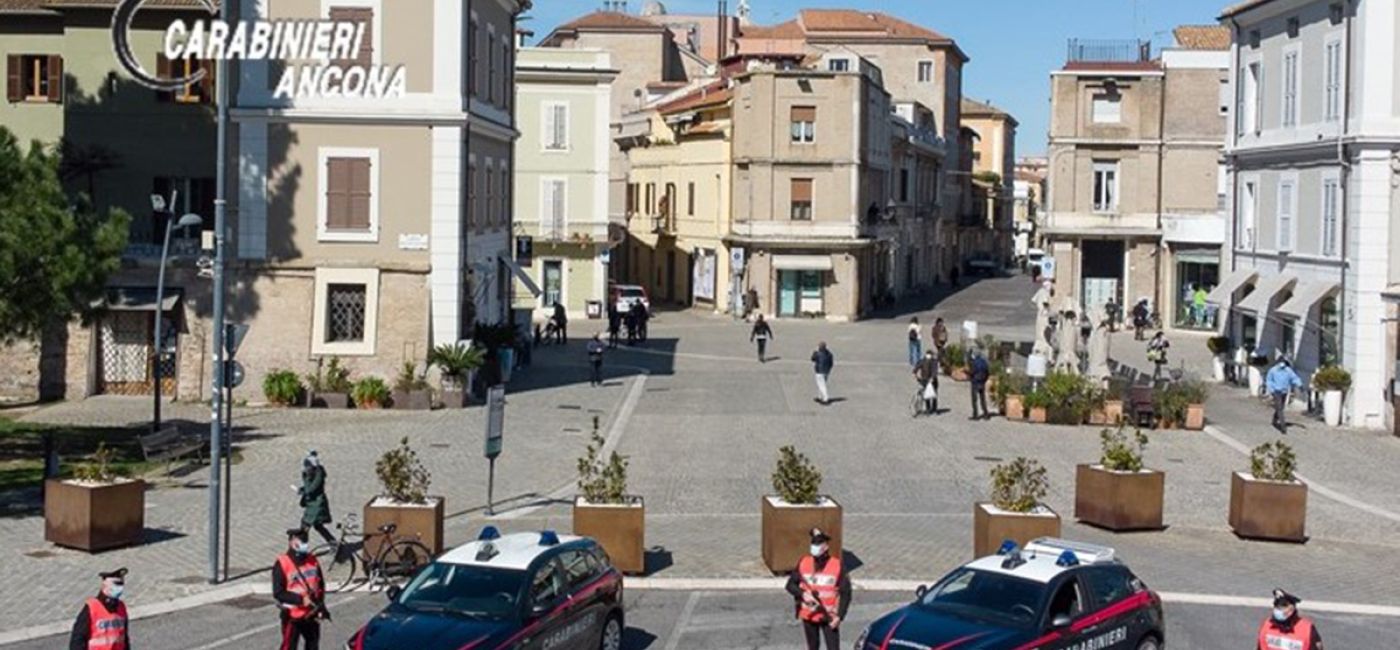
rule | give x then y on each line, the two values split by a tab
614	324
822	363
561	323
595	361
316	508
979	372
109	599
640	316
761	333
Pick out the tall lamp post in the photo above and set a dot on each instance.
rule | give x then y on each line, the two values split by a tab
190	219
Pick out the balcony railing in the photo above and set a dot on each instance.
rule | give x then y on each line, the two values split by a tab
1109	50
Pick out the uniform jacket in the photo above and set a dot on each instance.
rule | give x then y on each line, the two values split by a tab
78	640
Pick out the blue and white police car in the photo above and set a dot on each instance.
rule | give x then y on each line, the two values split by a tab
524	591
1051	595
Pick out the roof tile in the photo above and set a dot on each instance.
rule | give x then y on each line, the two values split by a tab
610	20
1202	37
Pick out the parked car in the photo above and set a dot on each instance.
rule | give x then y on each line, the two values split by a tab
623	295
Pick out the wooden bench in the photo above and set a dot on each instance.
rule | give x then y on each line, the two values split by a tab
169	445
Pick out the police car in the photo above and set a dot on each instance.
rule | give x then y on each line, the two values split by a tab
524	591
1051	595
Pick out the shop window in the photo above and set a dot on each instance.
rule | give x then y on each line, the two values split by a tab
1197	273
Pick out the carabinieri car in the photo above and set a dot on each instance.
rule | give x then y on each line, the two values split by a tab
524	591
1051	595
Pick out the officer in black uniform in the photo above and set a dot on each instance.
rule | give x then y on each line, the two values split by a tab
109	600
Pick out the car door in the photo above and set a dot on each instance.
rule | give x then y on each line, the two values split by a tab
581	570
1062	622
546	613
1120	610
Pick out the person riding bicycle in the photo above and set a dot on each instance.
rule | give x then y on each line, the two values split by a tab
926	374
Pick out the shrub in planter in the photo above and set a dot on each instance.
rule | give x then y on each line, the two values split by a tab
455	361
953	363
1009	392
330	386
97	509
283	388
404	500
1016	510
604	510
1334	382
370	393
1037	403
797	508
1069	398
1117	493
411	390
1194	393
1269	502
1169	403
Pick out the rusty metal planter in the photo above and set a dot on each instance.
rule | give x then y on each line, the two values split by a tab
1119	500
785	530
619	528
1039	414
1273	510
94	517
421	522
991	526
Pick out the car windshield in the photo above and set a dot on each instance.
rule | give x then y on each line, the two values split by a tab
477	592
632	293
986	596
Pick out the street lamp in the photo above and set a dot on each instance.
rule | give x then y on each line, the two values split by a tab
190	219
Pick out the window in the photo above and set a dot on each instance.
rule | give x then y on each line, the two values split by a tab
1286	205
1249	206
1240	103
651	198
1331	193
801	199
804	124
547	584
556	126
925	71
473	210
838	65
690	200
491	67
474	57
201	92
1105	186
191	195
345	304
503	217
579	568
1108	108
553	198
365	56
1224	96
506	71
345	313
1329	332
349	195
1068	601
1255	89
1332	97
34	78
1109	585
1290	88
904	186
489	216
631	198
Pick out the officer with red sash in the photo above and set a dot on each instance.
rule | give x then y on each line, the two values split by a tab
823	593
1285	629
297	588
101	623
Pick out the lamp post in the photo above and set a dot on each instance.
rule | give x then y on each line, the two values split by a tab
190	219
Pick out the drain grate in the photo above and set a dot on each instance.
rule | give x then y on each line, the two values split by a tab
570	407
440	445
987	459
249	602
40	555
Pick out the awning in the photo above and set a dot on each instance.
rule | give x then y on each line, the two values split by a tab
1222	294
1305	295
802	262
521	275
139	299
1257	302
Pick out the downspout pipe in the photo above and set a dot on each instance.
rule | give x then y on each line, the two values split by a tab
1344	179
1161	154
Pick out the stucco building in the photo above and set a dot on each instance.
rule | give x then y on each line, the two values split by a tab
990	230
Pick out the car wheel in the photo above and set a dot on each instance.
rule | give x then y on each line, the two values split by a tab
612	634
1149	643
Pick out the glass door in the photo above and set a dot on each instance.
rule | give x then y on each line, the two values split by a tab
553	282
787	293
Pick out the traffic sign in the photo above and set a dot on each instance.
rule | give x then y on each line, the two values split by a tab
233	374
605	256
233	337
736	260
495	420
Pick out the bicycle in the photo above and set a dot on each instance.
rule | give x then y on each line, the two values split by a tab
918	406
396	557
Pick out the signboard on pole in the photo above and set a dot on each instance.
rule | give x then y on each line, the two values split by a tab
736	261
495	420
233	338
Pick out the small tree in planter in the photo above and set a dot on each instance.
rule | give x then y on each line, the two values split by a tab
1219	347
1010	393
1016	510
1334	382
404	500
411	390
371	393
1117	493
96	510
1269	502
1169	403
1037	405
331	388
953	362
797	508
283	388
1069	398
455	361
604	510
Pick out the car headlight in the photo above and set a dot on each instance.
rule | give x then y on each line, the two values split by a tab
860	640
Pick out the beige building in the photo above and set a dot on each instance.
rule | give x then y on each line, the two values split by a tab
993	136
1134	208
561	178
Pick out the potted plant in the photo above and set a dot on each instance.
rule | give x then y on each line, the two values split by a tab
1334	382
1107	404
794	511
604	511
1010	392
1037	403
1016	510
371	393
1193	393
404	500
95	510
1117	493
1169	403
331	388
411	390
1068	398
1219	347
953	362
455	361
1269	502
283	388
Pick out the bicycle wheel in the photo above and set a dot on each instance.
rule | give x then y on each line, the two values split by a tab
337	568
917	406
400	560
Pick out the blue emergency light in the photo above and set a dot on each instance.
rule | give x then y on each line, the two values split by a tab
1007	547
548	538
1067	559
488	533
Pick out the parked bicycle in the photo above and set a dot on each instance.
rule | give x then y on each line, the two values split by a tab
382	558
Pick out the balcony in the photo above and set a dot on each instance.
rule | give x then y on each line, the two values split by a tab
1088	50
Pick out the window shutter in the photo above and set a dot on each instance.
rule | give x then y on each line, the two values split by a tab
365	56
13	64
557	199
337	193
359	193
163	71
549	122
804	114
55	79
561	126
801	190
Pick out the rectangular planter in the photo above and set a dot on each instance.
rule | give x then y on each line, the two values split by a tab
785	530
959	374
1015	410
1110	414
94	517
413	400
454	399
1038	415
424	521
1268	509
1119	500
330	400
1196	417
619	528
991	526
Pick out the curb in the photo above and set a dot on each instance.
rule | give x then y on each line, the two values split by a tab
145	611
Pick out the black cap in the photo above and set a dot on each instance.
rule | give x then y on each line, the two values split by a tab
819	537
1282	598
299	533
119	574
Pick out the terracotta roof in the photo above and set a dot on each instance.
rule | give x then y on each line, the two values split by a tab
877	23
1114	66
609	20
788	30
1241	7
974	107
700	98
1202	37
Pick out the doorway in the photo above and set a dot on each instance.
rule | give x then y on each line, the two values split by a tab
553	282
124	349
800	293
1101	272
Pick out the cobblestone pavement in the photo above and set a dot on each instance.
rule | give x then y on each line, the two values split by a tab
702	440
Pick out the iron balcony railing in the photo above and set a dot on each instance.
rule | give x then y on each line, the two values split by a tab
1109	50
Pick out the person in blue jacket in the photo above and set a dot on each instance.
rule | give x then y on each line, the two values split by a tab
1280	381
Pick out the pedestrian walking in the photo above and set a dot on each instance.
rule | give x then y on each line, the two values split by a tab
614	324
1198	305
916	342
978	372
939	336
1286	629
1140	317
561	324
1157	353
1280	381
1111	309
595	360
926	374
823	593
315	507
760	334
640	316
300	595
102	622
822	363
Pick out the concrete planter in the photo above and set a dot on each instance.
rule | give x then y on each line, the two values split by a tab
1195	416
1117	500
991	526
413	400
422	522
94	517
1015	410
330	400
620	528
786	526
1332	407
1038	415
1273	510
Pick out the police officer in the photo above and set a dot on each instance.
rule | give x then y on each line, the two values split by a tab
101	623
1285	629
297	588
823	593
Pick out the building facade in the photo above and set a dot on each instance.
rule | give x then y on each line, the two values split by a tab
993	145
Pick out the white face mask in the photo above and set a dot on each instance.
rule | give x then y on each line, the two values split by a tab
301	547
115	592
1280	615
818	550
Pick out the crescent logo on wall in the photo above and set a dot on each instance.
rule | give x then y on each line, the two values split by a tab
121	43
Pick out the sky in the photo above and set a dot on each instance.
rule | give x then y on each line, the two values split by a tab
1013	44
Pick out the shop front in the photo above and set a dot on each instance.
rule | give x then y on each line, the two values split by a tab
1196	273
802	280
